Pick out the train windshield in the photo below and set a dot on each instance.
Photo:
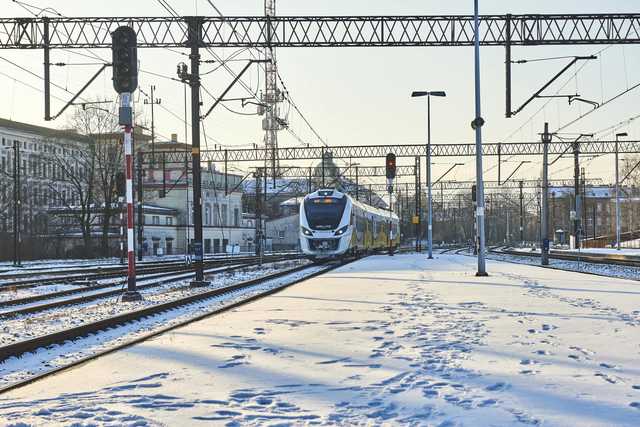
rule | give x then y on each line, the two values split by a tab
324	213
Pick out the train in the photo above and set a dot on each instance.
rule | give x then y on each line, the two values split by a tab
335	225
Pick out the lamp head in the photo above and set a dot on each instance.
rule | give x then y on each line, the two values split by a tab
618	135
415	94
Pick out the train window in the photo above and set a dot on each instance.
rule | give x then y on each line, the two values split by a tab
324	213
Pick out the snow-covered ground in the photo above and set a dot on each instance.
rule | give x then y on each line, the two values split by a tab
604	251
17	369
31	325
607	251
609	270
384	341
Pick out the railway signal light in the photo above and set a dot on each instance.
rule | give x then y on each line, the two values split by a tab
473	193
391	166
121	184
124	59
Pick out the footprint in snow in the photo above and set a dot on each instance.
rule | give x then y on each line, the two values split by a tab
331	362
608	366
487	402
635	405
500	386
635	387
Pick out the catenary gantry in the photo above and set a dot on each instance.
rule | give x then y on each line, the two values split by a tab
326	31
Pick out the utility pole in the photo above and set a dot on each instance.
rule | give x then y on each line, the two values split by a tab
153	101
140	206
546	138
416	220
521	214
576	192
195	40
272	95
357	185
17	204
618	135
258	230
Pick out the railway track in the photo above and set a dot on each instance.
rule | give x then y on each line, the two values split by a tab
92	293
19	349
99	274
609	259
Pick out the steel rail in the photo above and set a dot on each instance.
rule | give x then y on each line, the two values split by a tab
607	259
34	344
25	284
172	277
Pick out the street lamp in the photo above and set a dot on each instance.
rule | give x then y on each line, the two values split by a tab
618	135
416	94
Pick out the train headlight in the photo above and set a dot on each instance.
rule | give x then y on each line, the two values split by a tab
341	231
306	232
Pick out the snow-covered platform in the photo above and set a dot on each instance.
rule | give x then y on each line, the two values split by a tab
385	340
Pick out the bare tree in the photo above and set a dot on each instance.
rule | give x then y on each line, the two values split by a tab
73	166
101	125
630	166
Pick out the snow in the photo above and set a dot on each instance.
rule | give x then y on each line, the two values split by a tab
31	325
17	369
383	341
608	270
607	251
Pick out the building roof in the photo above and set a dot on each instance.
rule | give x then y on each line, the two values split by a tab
43	131
137	135
159	209
294	201
600	192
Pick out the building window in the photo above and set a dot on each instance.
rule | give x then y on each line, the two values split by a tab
156	220
224	215
169	220
281	234
236	217
207	214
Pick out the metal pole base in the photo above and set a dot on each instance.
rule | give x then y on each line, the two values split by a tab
484	274
430	257
199	283
131	296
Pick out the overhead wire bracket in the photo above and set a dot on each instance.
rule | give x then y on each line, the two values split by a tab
537	94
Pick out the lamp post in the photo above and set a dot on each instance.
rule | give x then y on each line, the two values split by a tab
477	127
618	135
429	204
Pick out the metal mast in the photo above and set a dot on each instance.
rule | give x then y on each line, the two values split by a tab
272	96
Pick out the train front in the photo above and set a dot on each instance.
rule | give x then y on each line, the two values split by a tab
325	230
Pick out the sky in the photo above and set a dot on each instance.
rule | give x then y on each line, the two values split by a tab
356	96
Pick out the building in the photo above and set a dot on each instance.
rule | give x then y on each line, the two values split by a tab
598	213
50	173
167	184
283	233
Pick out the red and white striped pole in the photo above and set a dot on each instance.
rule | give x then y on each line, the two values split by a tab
132	293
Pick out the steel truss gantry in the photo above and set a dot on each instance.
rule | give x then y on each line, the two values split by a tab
326	31
401	150
345	172
530	184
